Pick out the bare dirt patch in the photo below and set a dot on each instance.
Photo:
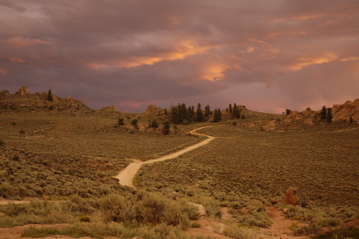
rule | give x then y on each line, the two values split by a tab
280	227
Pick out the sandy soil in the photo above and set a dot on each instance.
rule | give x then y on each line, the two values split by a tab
280	227
126	176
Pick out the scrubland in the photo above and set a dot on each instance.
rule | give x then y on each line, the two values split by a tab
64	165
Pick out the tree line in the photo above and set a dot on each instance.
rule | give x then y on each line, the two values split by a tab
181	114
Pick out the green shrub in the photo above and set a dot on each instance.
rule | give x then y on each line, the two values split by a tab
195	225
2	143
40	232
134	123
345	232
22	131
85	219
239	232
116	208
16	158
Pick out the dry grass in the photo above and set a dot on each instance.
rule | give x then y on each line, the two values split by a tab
322	163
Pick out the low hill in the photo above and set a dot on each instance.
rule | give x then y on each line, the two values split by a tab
23	100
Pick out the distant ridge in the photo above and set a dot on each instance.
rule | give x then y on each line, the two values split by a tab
23	100
347	112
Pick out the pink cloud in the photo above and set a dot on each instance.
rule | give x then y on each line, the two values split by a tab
17	59
3	71
22	41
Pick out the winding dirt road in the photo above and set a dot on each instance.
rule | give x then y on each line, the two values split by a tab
126	176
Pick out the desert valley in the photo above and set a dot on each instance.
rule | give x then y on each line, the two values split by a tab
68	171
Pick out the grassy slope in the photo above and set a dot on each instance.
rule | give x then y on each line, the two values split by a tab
61	155
321	162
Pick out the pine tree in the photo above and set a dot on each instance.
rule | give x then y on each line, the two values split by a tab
185	112
217	115
351	120
166	129
154	124
174	115
329	115
323	113
199	113
236	113
207	111
230	108
49	95
121	121
134	123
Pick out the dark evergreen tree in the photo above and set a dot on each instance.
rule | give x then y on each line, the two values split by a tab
230	108
154	124
288	111
323	113
134	123
199	113
49	95
190	113
166	129
193	113
207	111
174	115
121	121
236	113
185	112
217	115
351	120
329	115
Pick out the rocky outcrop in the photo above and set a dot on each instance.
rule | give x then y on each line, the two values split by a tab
307	116
109	109
349	111
22	100
23	91
153	110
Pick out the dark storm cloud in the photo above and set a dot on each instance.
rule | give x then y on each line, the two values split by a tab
134	53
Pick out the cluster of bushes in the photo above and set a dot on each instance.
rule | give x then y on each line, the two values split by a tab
319	217
147	208
108	214
30	175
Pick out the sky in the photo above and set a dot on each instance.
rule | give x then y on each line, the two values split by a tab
266	55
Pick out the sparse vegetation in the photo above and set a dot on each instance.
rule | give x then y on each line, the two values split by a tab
67	162
49	96
166	129
121	121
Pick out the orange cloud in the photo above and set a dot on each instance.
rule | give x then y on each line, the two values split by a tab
214	72
303	62
180	52
17	59
3	71
276	34
306	17
352	58
22	41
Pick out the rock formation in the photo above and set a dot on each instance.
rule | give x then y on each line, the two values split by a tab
346	111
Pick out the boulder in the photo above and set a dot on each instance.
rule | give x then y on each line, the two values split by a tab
294	197
23	91
200	208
